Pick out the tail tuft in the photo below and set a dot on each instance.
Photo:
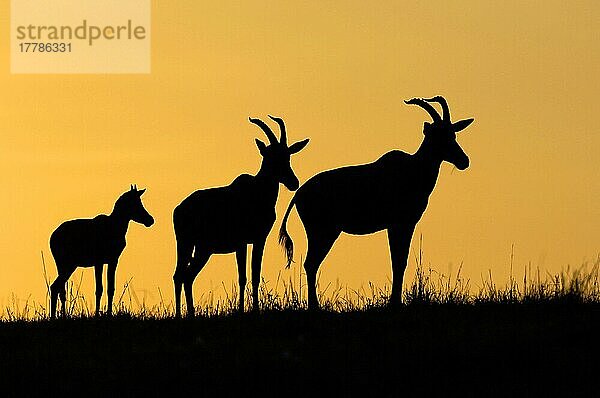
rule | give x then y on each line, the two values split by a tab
285	239
288	245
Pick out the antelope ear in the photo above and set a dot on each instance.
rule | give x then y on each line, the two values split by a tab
461	125
261	146
141	192
298	146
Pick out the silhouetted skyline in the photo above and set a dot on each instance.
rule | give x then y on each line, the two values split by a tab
72	143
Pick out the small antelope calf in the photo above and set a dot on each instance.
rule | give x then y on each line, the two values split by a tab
390	193
93	243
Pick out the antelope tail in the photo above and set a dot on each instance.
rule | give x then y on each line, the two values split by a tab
285	239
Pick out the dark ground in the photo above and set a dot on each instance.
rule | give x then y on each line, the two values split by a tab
472	350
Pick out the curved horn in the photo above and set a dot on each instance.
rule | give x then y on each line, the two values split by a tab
281	124
442	101
430	109
266	129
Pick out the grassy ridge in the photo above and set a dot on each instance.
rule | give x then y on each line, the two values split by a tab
491	349
532	338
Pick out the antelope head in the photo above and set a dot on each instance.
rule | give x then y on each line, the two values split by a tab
441	132
276	155
130	204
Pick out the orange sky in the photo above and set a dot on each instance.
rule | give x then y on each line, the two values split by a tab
337	72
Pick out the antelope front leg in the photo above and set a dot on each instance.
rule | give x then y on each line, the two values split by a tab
257	255
98	273
110	281
399	240
240	256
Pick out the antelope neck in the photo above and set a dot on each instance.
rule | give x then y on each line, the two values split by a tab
266	183
427	156
119	219
429	162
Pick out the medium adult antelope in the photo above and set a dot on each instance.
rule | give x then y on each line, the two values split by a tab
226	219
390	193
93	243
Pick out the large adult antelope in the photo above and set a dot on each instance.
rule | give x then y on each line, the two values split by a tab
227	219
93	243
390	193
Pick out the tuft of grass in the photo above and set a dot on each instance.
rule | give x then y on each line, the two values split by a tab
429	287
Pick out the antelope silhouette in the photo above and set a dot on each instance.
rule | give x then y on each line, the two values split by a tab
390	193
93	243
226	219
